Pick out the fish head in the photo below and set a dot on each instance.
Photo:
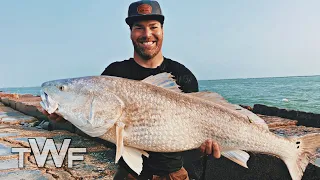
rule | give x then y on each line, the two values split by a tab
87	102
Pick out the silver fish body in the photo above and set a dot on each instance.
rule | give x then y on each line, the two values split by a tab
152	115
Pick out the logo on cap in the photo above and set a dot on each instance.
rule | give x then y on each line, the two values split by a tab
144	9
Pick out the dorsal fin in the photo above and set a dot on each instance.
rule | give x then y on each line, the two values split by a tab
217	98
164	80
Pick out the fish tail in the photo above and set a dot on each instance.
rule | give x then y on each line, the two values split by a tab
306	147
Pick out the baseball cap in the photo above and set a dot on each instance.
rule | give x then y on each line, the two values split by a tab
144	10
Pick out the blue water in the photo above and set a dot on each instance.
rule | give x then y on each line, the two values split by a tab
295	93
22	90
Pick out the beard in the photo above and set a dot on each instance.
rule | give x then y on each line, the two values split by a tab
144	53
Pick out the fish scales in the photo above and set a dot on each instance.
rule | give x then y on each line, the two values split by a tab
139	115
168	122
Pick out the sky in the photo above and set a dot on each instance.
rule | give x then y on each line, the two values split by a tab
48	40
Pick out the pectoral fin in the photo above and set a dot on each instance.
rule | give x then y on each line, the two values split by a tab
91	112
119	143
237	156
133	158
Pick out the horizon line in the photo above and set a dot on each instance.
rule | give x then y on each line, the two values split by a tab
258	77
205	79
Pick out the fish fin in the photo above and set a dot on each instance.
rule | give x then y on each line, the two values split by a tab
133	158
119	143
164	80
218	99
91	113
307	146
95	126
208	95
237	156
316	162
94	107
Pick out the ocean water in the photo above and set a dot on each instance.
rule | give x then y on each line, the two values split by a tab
292	93
22	90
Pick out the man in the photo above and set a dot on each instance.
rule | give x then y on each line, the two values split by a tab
145	20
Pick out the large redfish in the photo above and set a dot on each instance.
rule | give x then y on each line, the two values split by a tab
154	115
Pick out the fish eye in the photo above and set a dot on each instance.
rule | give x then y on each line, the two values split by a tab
62	88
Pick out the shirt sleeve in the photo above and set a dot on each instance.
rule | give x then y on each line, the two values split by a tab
110	70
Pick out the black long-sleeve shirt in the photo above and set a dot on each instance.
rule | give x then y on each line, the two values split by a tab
157	163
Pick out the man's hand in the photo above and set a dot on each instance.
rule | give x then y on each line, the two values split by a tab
53	116
210	147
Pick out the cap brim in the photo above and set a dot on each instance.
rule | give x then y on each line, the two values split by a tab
132	19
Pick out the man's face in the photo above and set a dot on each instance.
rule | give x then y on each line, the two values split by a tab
147	37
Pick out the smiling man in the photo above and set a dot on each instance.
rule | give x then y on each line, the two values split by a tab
146	20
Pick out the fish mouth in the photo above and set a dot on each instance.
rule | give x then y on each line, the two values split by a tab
48	103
